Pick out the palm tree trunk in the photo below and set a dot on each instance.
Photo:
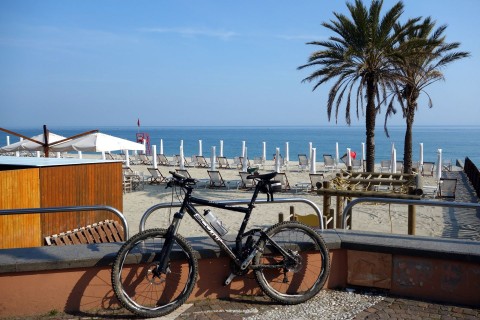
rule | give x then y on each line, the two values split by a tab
370	124
407	148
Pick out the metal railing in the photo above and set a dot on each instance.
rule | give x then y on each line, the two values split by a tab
429	203
70	209
232	202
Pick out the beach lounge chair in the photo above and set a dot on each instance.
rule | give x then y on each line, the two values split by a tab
109	156
302	162
399	166
328	162
282	177
447	188
427	168
223	163
258	162
156	176
357	165
385	165
134	178
282	161
237	162
241	162
202	162
163	161
143	159
126	184
217	181
246	183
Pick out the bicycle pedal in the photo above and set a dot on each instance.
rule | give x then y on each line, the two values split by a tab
229	279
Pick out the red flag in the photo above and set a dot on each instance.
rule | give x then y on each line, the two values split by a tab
138	122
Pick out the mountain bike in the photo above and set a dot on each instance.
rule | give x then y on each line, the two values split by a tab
156	270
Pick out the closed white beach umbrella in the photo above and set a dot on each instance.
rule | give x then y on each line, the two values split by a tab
80	155
349	157
310	151
421	154
161	146
221	148
182	161
243	149
127	158
38	154
363	151
245	161
439	164
394	160
277	160
200	151
103	155
337	154
264	154
8	140
287	157
212	159
313	161
154	147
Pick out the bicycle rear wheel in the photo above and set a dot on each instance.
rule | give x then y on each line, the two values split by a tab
134	282
292	281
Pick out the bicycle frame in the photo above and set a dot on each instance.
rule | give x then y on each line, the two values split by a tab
188	207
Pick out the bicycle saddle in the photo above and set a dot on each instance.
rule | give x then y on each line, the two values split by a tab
264	177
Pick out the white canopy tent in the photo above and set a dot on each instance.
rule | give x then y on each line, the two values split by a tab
98	142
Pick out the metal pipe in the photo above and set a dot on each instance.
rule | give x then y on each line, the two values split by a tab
429	203
77	208
232	202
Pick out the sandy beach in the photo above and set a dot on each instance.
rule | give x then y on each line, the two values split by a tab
430	221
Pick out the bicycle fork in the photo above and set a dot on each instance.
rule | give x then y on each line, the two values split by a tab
164	260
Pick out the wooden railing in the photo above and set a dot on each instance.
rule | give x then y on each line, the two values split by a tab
473	174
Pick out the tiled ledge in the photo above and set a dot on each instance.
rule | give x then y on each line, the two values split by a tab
98	255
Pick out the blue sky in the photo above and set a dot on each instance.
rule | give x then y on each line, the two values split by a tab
213	63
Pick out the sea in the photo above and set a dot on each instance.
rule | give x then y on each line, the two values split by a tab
456	142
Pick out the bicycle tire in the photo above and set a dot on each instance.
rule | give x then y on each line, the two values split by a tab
136	288
292	283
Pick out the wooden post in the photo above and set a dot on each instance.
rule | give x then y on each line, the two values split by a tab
292	214
339	215
327	199
331	224
280	217
411	219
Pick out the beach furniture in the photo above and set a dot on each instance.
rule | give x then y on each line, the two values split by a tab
246	183
133	177
328	162
282	178
399	166
428	168
447	188
237	163
143	159
357	165
447	165
100	232
310	220
217	181
385	165
223	163
202	162
126	184
302	162
163	161
156	177
258	162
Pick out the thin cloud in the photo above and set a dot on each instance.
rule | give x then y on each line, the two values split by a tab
192	32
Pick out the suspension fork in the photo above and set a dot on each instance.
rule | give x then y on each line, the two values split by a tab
164	258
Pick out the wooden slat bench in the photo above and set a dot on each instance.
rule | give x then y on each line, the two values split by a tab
101	232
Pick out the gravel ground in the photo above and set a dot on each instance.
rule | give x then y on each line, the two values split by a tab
328	304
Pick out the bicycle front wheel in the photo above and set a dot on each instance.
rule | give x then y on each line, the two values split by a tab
296	279
134	278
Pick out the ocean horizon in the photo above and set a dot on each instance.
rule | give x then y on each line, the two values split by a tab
456	142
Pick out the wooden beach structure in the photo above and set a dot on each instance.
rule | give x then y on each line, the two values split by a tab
30	182
347	185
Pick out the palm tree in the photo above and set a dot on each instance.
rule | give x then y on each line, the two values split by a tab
359	54
419	69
